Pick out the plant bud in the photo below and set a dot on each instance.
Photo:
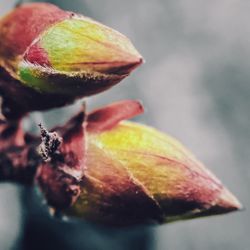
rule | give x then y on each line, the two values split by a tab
53	51
136	174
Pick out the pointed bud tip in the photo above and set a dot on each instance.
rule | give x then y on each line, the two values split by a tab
228	202
127	67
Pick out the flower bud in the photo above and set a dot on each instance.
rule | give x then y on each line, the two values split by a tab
136	174
53	51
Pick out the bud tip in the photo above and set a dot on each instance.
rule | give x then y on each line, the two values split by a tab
227	202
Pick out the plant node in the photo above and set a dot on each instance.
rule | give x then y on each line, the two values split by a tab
51	141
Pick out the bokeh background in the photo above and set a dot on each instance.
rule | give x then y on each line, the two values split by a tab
195	85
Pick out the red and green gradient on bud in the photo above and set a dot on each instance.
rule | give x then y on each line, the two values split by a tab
58	52
136	174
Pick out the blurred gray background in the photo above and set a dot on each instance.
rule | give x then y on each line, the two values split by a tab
195	85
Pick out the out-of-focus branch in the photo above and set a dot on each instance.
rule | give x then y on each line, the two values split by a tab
19	164
18	156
